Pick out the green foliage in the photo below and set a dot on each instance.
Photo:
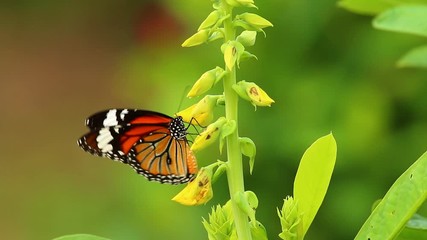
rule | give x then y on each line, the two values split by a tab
310	186
404	19
417	222
211	29
409	192
400	203
370	7
373	7
399	16
416	57
313	177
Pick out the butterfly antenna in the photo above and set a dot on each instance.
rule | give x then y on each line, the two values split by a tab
182	97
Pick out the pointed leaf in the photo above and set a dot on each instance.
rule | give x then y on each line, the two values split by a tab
369	7
417	222
417	57
405	19
402	200
313	177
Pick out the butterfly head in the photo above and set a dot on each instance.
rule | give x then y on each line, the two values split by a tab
177	128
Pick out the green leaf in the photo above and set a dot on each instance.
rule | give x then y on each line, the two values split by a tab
80	237
398	205
405	19
368	7
417	57
313	177
417	222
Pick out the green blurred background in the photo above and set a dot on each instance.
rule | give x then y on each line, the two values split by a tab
326	68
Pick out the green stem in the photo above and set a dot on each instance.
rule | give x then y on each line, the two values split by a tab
235	168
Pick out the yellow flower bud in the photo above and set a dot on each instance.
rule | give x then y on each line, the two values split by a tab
254	20
209	135
210	20
201	112
251	92
198	191
197	39
206	82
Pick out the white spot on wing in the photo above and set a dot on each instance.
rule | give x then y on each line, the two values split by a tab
107	148
111	119
123	114
103	140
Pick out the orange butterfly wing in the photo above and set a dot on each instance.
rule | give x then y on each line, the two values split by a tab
154	144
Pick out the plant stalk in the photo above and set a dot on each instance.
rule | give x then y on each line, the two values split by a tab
235	168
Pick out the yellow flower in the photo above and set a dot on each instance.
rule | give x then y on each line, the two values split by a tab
254	21
251	92
201	112
198	191
206	82
232	52
197	39
210	20
209	135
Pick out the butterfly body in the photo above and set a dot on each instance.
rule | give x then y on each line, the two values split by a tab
154	144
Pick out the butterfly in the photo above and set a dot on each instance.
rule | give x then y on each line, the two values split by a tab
154	144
